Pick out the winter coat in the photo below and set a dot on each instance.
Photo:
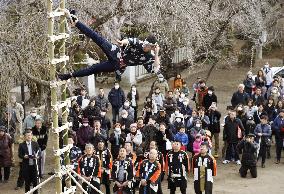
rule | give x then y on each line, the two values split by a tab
230	133
214	118
99	136
265	130
258	99
115	147
137	140
277	125
161	143
182	137
260	83
149	133
194	131
249	127
164	86
161	119
91	112
239	98
41	135
105	123
116	97
170	105
158	99
196	146
6	150
127	122
84	135
130	98
186	110
249	150
129	109
271	113
75	119
208	99
200	94
185	90
249	84
29	121
101	102
175	127
178	83
268	75
257	115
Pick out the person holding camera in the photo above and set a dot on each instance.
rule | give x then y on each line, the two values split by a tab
29	152
249	158
263	134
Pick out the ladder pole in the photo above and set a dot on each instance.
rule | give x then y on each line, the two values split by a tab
51	46
62	50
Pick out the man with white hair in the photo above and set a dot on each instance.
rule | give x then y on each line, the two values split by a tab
90	169
240	96
149	172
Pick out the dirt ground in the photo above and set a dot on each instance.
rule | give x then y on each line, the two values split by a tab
227	181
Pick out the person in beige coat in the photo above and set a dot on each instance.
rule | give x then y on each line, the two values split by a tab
16	114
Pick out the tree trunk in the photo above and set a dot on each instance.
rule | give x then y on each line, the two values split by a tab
259	52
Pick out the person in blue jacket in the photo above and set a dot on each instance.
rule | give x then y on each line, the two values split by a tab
130	52
278	128
263	133
182	137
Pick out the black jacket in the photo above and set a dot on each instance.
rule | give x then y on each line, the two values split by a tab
23	150
230	133
249	152
239	98
214	117
258	99
42	136
208	99
116	97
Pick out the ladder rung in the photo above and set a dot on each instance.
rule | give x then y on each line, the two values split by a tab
59	60
55	14
65	126
70	190
58	37
59	152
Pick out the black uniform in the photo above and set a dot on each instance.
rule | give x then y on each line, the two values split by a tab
160	159
106	165
177	165
204	168
151	173
90	167
126	167
249	158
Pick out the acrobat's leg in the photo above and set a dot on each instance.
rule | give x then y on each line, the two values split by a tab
106	66
112	51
